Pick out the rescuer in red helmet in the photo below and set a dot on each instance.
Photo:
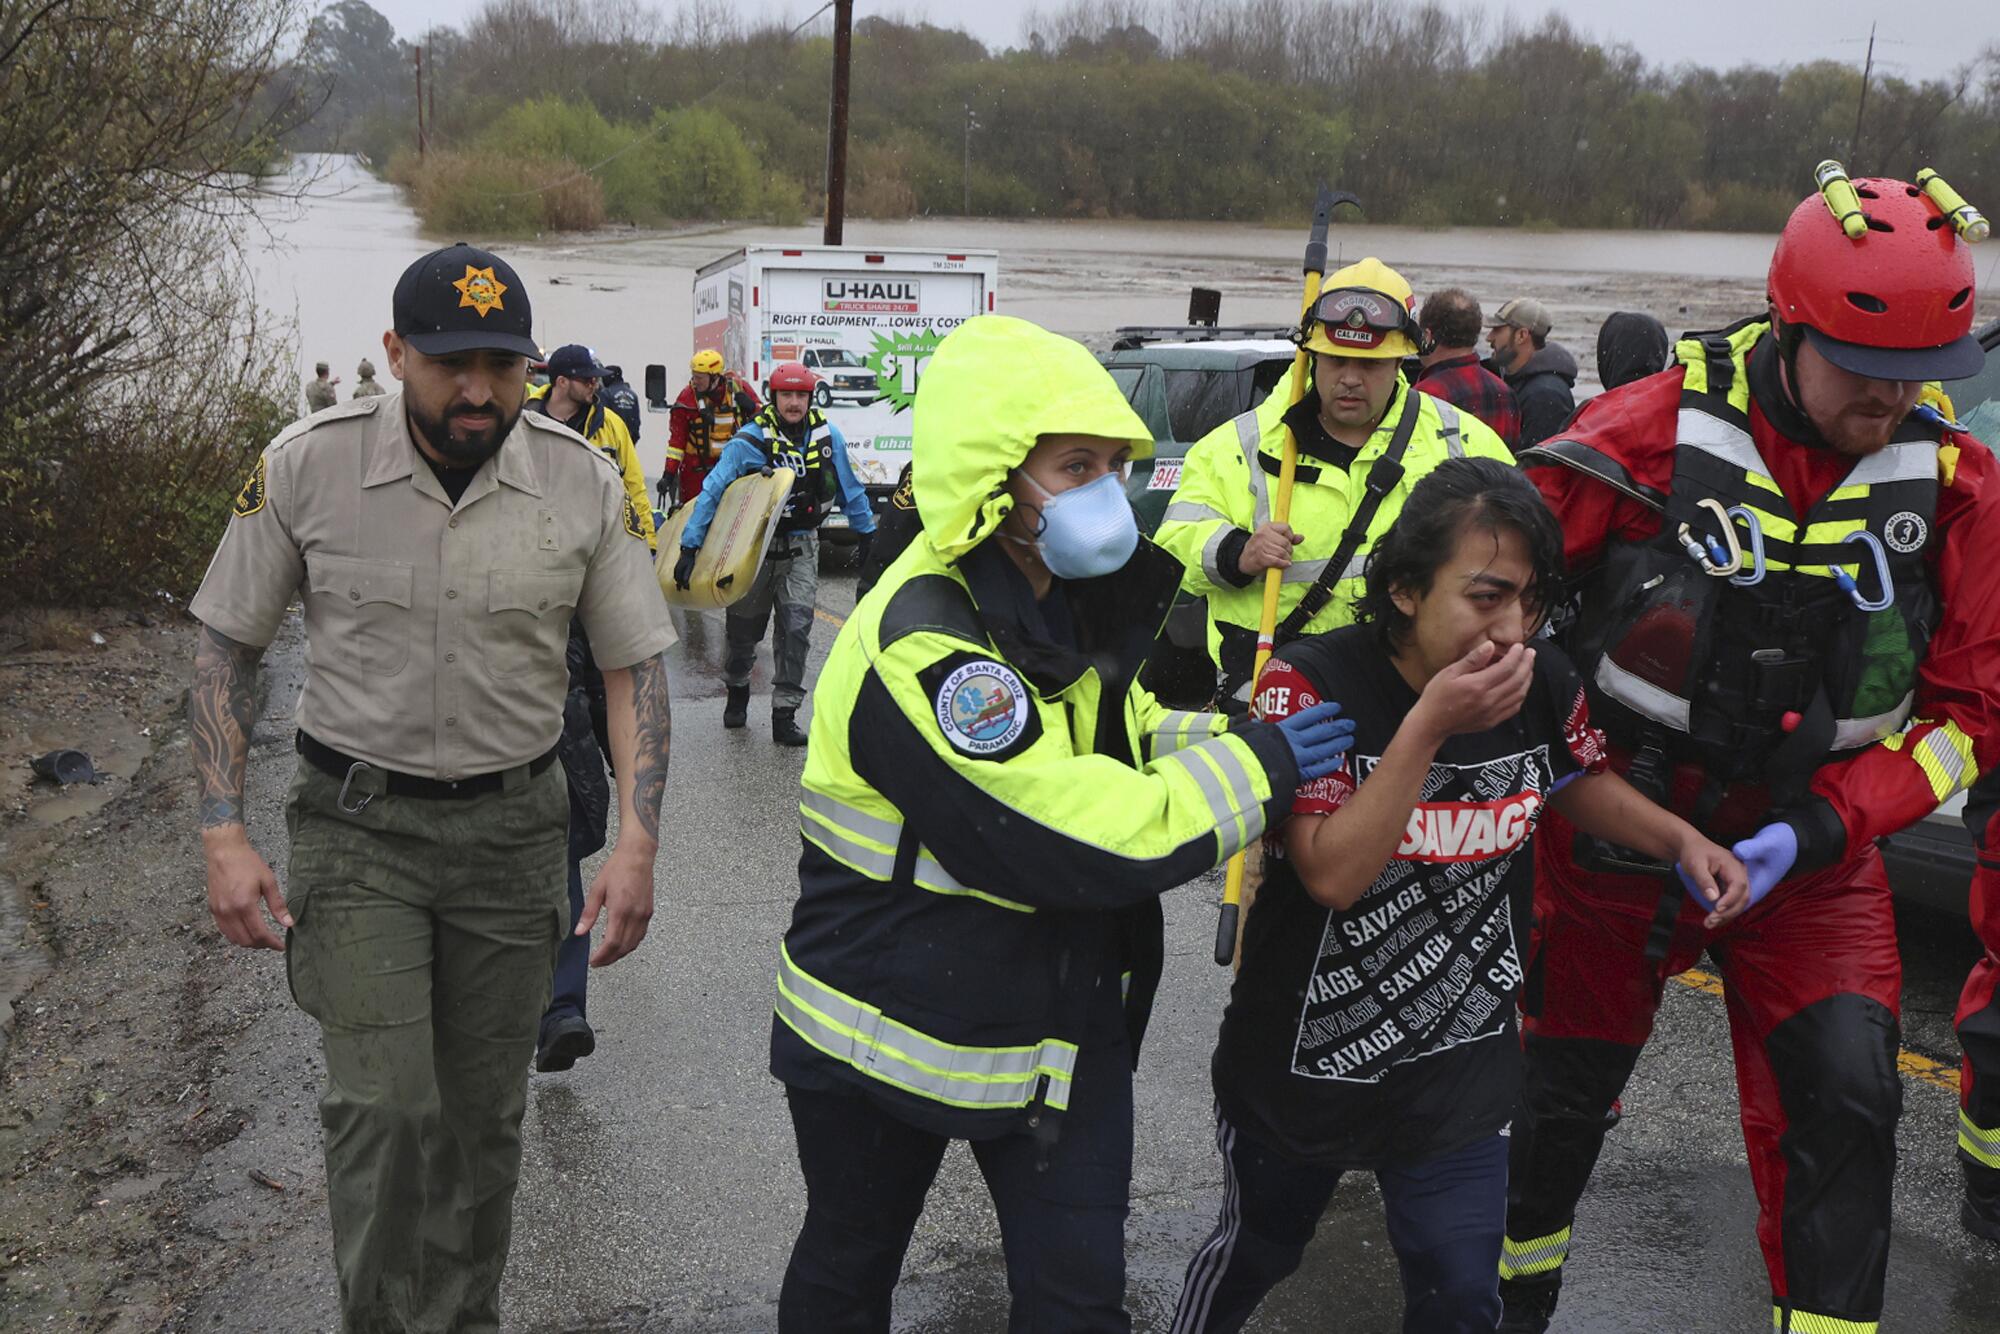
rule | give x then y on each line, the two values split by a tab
1787	626
789	433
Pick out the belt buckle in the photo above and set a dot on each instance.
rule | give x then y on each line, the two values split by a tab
345	783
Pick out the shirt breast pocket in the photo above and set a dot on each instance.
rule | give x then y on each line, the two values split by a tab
527	619
366	604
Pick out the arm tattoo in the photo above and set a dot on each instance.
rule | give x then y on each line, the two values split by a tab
222	708
652	742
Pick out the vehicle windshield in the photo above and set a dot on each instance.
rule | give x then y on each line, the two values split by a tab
836	356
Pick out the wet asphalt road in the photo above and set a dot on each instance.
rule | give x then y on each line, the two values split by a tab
660	1192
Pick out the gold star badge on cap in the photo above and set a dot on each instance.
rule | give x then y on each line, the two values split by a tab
480	290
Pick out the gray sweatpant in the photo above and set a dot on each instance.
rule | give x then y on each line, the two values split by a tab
789	584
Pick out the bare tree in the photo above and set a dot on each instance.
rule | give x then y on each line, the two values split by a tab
136	134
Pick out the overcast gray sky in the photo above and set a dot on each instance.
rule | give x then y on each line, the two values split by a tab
1914	41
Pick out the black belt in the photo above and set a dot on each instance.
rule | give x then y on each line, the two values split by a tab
370	780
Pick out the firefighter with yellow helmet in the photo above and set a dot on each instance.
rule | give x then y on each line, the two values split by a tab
1365	438
711	409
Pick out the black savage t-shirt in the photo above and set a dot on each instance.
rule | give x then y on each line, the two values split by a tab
1385	1033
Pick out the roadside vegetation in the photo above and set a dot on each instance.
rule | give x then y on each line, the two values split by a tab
139	382
554	114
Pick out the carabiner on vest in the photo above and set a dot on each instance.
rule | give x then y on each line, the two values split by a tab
1853	590
1756	575
1717	558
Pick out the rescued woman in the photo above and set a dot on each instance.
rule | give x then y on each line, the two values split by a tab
1372	1025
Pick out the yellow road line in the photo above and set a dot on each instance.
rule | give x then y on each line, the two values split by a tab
1913	1066
829	617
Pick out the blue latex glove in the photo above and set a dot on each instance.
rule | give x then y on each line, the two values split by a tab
1768	855
1319	736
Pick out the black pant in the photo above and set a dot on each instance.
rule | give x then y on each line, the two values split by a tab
1062	1226
1445	1219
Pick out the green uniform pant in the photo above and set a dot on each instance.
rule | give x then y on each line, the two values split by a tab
425	934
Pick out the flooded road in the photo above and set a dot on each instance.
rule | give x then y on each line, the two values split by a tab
332	264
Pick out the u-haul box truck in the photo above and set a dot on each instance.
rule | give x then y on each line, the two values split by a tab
865	322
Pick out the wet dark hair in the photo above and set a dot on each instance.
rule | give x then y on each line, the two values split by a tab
1458	494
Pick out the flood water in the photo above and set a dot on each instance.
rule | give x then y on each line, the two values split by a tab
331	263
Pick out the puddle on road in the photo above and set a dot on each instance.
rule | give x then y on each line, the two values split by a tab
116	756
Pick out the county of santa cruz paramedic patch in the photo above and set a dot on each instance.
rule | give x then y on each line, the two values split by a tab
982	707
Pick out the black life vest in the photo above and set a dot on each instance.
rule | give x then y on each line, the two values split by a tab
816	485
1761	681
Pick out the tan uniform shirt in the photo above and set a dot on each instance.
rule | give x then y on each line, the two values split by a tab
434	632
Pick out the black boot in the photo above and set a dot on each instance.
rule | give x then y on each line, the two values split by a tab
785	727
1526	1307
736	710
564	1041
1980	1213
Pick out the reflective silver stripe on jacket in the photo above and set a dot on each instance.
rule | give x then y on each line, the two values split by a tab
863	1037
1250	435
1227	786
1848	733
1911	461
838	828
1662	706
1670	710
1696	429
1447	426
1188	511
1178	729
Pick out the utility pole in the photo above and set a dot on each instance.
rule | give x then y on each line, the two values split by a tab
422	133
1868	67
966	170
836	127
431	101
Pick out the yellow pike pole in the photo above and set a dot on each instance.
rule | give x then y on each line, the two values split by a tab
1281	512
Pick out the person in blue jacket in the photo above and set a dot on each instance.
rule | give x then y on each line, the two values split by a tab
789	433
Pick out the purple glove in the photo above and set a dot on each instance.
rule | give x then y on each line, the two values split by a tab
1767	855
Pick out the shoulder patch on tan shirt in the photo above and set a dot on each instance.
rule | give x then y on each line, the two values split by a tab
251	498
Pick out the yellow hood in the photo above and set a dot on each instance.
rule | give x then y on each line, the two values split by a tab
994	386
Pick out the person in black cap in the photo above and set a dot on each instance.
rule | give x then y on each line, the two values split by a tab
570	398
617	394
440	541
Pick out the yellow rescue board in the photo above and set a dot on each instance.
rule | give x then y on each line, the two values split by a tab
731	553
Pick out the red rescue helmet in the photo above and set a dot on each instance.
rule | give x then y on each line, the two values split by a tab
792	376
1894	304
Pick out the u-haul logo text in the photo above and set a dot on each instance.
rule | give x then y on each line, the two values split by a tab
1455	831
872	296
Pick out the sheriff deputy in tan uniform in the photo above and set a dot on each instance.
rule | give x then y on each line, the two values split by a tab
441	541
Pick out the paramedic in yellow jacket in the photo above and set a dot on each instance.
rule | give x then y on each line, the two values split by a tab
992	807
1356	420
570	397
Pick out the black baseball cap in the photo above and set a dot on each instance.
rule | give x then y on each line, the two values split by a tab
576	362
463	298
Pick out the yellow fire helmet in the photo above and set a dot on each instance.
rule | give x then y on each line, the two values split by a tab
706	362
1363	310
